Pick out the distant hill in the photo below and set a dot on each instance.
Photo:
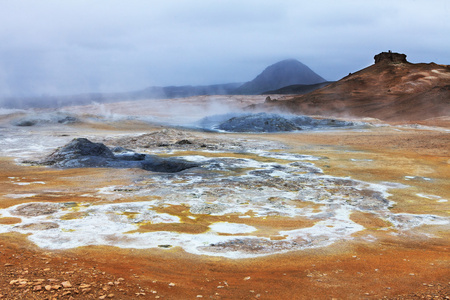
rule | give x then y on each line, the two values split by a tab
148	93
391	89
281	74
186	91
298	89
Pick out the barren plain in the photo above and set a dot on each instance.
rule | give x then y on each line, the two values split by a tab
340	213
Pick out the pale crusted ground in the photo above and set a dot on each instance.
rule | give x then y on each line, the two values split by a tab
380	261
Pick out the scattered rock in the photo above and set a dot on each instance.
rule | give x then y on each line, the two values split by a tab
183	142
66	284
269	100
37	288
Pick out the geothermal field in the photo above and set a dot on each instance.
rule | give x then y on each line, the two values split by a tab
198	197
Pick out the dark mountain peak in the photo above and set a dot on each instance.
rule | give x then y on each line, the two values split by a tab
290	63
281	74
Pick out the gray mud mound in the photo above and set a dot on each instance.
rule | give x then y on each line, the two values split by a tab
82	153
77	149
261	122
174	139
48	118
264	122
36	209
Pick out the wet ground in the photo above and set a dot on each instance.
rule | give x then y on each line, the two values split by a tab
306	215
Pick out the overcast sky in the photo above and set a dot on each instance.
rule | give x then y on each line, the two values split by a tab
71	46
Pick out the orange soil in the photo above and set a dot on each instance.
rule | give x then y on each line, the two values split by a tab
392	267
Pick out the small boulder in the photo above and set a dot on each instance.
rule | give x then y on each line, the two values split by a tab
183	142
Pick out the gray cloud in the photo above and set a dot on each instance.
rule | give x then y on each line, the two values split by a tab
60	47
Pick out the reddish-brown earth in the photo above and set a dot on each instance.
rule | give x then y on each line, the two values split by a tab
393	91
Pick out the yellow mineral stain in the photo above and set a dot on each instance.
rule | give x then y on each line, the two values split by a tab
9	220
74	215
369	220
129	214
173	227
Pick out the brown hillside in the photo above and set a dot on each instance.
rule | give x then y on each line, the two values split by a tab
391	89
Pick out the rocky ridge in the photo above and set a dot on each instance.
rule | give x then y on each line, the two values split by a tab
392	89
390	57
